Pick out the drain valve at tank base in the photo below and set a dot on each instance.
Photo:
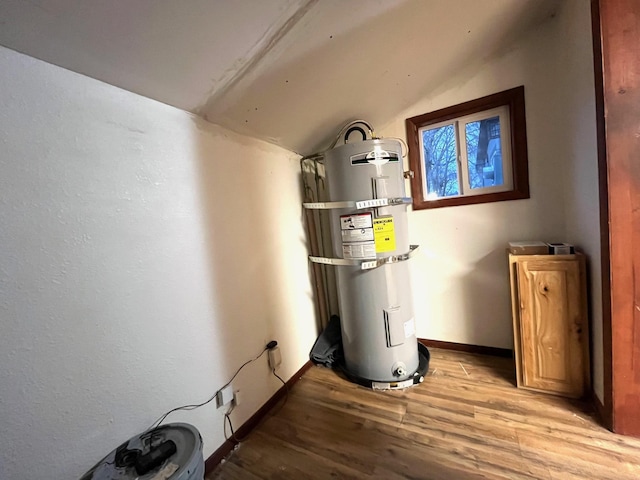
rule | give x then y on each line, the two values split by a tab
399	369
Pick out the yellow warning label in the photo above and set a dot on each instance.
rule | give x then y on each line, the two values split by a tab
384	234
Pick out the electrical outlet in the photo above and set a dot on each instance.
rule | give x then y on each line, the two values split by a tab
236	397
224	396
275	358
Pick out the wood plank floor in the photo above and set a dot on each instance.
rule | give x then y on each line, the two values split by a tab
466	421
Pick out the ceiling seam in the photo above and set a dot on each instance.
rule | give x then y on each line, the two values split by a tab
268	43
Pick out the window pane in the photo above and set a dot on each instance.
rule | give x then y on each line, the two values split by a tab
441	161
486	159
484	153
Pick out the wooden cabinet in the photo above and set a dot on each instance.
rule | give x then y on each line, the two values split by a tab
551	330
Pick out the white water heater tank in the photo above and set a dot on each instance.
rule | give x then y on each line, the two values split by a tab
376	306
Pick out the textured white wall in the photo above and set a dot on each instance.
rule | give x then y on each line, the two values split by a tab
580	154
144	255
461	283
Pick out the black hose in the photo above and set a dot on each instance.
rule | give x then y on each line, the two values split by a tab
354	129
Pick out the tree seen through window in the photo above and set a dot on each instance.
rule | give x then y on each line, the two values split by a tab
473	152
483	159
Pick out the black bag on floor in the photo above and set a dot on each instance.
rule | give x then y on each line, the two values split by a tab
327	350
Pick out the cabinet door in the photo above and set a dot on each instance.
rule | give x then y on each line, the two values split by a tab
551	325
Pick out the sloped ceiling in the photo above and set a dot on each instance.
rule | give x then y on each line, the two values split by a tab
287	71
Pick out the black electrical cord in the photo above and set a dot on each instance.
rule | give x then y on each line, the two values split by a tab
286	389
227	418
283	382
161	419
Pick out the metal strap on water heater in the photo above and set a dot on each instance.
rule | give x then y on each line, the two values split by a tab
365	264
359	205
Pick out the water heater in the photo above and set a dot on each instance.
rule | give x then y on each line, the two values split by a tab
367	208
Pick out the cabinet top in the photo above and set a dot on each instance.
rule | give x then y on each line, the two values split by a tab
573	256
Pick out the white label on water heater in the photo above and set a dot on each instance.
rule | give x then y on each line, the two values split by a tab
391	385
356	221
409	328
358	239
358	235
359	250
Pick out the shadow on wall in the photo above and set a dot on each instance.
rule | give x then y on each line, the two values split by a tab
485	297
257	254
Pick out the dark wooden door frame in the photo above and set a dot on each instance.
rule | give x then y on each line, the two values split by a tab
605	409
616	45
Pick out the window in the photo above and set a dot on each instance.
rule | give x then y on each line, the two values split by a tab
475	152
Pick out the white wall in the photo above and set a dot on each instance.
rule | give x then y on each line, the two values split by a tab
582	205
144	255
461	284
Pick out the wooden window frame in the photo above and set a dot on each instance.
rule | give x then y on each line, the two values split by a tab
514	100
